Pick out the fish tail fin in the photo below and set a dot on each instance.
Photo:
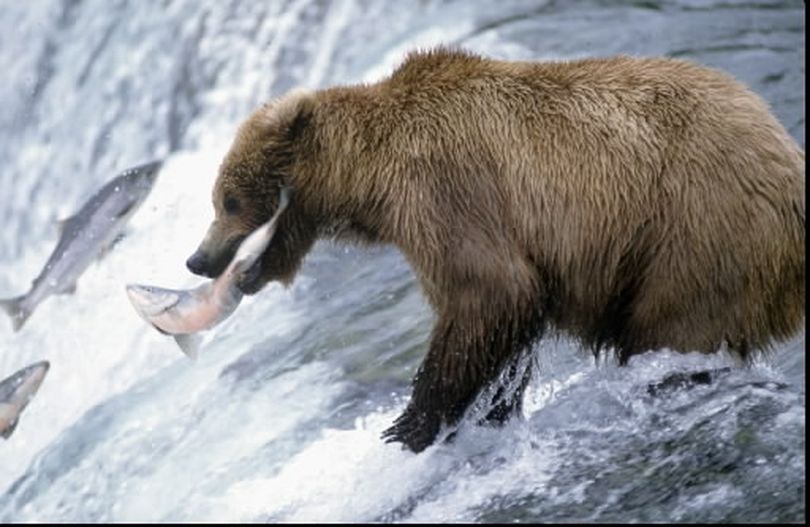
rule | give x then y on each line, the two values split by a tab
15	308
190	344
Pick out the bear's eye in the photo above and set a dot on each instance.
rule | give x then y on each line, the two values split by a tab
231	205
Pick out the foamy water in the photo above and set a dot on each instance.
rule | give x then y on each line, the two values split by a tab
280	418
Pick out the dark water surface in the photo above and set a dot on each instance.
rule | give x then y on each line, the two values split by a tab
280	418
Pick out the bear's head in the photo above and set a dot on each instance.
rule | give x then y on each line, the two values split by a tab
261	161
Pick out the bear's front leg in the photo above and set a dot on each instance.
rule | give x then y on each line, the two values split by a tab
469	348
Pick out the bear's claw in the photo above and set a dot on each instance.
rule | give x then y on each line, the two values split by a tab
416	430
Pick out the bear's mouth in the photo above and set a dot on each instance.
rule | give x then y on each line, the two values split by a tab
249	282
252	279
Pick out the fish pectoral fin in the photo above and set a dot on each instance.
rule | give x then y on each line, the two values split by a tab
127	209
109	247
189	343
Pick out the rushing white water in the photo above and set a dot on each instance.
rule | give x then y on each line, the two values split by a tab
280	418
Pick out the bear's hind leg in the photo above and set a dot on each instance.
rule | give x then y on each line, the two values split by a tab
508	399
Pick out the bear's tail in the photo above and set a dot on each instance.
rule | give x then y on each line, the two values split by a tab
16	309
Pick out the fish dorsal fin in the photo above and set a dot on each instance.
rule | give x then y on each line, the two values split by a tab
189	343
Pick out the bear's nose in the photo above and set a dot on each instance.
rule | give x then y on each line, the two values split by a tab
198	263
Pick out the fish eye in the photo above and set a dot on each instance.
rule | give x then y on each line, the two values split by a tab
231	205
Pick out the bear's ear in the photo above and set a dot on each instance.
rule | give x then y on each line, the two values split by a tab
305	107
292	113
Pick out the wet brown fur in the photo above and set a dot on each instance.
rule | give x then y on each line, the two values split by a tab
633	203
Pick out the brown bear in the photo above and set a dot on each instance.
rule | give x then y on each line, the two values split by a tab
632	203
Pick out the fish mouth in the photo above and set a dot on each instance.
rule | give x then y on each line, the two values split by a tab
143	175
39	369
149	301
21	386
149	169
139	300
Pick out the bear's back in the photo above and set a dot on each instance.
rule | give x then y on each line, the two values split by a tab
663	196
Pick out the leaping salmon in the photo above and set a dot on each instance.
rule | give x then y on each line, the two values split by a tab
16	391
84	237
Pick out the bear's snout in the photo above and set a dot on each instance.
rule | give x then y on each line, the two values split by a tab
210	259
198	264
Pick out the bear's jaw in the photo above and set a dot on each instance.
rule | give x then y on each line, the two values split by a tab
250	281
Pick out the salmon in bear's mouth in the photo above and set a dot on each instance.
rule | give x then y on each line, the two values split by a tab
251	280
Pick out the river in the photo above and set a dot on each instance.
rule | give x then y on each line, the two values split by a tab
280	418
